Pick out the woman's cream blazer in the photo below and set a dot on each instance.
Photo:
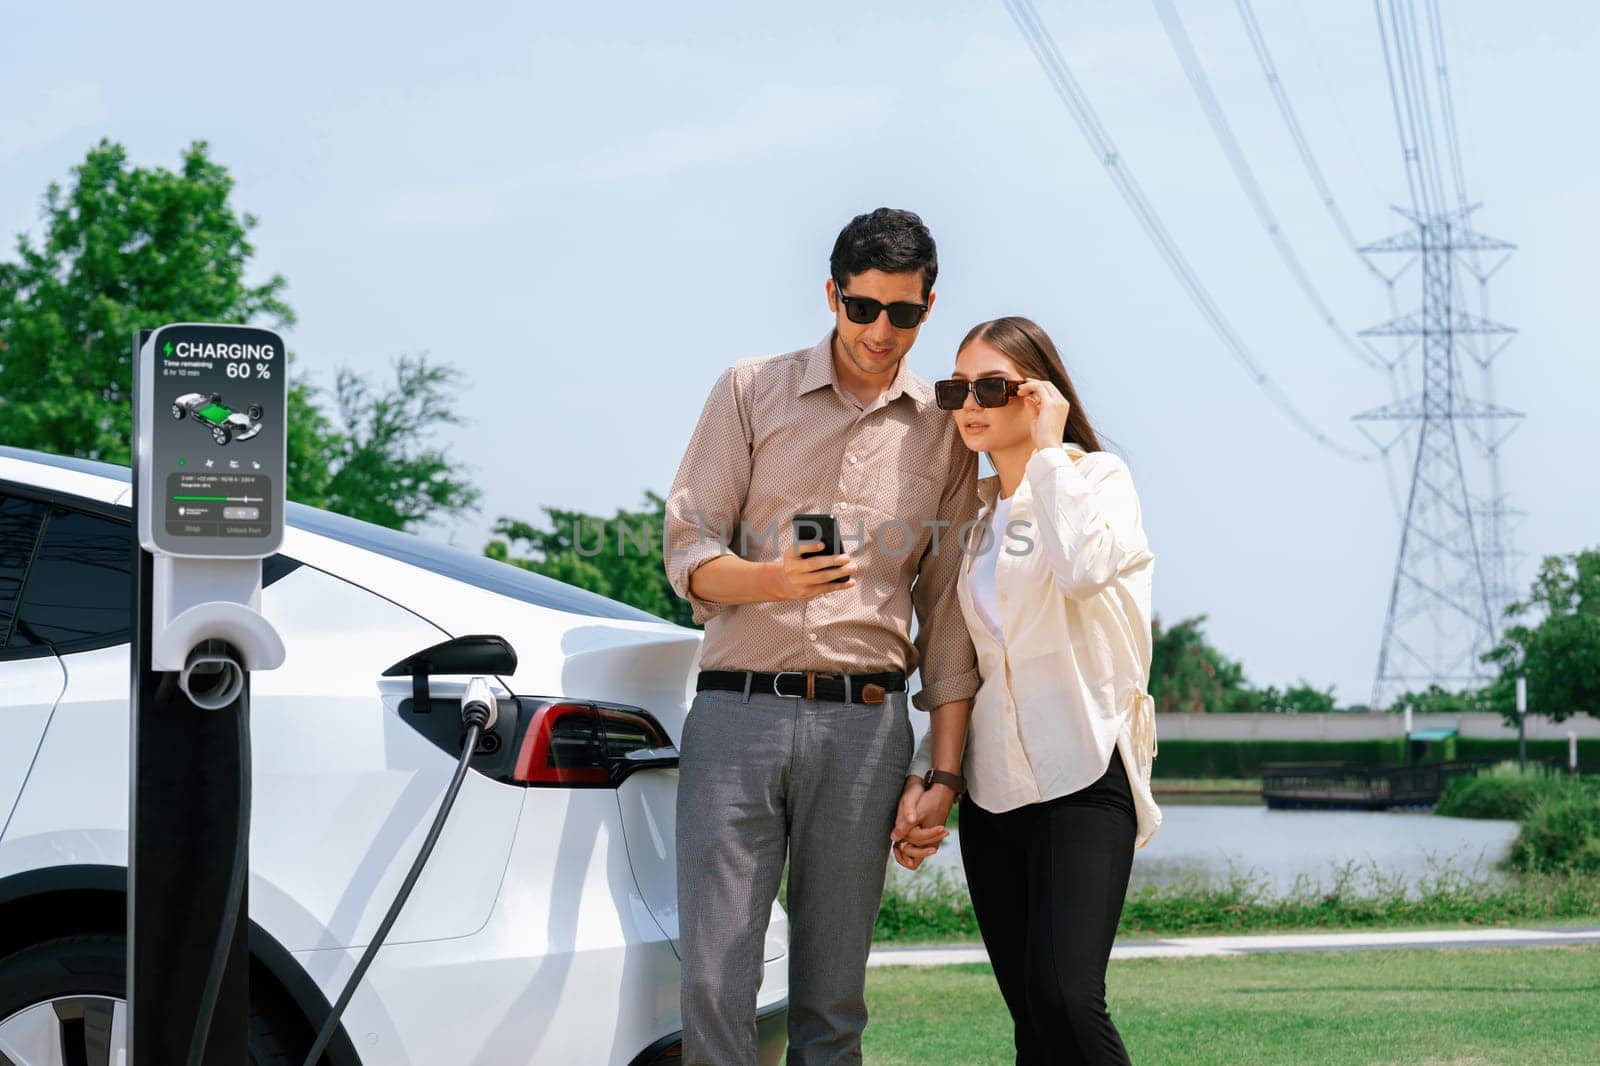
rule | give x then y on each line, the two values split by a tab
1070	683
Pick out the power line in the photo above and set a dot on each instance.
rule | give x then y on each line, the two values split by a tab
1280	95
1308	160
1425	103
1189	59
1418	105
1077	105
1446	104
1408	149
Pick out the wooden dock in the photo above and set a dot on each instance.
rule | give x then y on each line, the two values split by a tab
1360	786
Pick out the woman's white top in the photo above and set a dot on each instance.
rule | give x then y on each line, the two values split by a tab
983	594
1066	681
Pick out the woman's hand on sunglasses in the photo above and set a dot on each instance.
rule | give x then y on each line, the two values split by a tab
801	579
1050	410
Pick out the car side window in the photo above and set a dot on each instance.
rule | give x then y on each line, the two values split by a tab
79	589
66	581
20	522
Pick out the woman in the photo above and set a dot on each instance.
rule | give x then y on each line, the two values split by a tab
1055	587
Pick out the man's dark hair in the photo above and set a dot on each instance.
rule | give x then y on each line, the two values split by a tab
893	241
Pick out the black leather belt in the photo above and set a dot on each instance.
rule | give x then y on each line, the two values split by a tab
806	684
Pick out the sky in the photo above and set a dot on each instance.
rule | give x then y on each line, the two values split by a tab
592	210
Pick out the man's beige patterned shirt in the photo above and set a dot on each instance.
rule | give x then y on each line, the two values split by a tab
780	437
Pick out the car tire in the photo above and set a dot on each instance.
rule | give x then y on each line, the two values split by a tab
254	411
95	966
179	413
220	434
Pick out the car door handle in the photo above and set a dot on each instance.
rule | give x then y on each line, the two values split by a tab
651	758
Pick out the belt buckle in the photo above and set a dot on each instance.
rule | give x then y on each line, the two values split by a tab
781	673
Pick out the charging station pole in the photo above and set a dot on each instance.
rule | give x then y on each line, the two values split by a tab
208	491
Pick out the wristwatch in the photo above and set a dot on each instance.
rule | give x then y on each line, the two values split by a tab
955	782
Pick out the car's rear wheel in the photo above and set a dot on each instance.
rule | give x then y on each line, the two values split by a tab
179	413
254	411
220	434
65	1001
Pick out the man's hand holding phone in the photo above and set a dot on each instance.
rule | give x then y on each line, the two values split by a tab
804	571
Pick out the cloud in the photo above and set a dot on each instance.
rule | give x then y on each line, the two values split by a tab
44	114
773	121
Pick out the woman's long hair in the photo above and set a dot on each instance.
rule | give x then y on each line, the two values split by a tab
1036	357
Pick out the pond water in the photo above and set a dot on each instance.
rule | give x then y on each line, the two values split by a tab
1212	842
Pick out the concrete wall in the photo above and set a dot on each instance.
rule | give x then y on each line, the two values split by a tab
1336	726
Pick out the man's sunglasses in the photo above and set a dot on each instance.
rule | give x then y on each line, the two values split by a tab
864	311
951	394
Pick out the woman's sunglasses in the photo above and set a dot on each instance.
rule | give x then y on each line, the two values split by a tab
864	311
951	394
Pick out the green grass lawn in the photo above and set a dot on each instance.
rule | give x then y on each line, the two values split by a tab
1443	1007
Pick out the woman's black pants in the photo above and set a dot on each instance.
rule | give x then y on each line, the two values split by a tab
1047	883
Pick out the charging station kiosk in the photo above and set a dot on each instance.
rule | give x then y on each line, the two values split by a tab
209	453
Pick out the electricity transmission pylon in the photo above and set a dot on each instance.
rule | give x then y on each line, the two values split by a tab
1447	592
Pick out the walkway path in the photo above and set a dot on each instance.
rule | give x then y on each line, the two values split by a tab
1174	947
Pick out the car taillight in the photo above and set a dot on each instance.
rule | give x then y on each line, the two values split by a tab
575	744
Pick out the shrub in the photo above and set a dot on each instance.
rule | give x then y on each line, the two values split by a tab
1503	793
930	905
1550	749
935	908
1560	833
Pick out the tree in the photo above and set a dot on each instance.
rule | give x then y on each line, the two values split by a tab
125	247
129	247
619	557
372	461
1554	642
1435	699
1296	699
1188	674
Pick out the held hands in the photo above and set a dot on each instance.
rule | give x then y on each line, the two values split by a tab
1049	409
919	825
795	578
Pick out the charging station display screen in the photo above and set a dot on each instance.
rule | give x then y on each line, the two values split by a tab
212	440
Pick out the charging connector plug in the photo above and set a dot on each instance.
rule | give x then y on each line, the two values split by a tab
478	707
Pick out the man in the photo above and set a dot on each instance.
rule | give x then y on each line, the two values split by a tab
798	740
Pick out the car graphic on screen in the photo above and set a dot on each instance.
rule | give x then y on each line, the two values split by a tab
225	423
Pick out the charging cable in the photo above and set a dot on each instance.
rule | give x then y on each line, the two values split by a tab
478	713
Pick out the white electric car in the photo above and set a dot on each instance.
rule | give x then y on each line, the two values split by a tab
543	928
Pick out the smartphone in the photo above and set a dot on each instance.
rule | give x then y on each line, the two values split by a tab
820	527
